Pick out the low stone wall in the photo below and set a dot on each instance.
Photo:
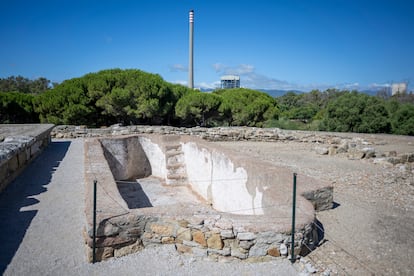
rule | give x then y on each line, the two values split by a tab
20	144
348	145
229	229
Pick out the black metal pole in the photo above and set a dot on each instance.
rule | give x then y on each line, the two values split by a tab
94	223
293	220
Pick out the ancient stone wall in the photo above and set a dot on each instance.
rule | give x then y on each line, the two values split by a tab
20	144
347	145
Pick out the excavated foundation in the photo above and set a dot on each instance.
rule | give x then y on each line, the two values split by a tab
208	201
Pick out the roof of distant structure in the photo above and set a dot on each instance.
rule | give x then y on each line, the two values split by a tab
230	77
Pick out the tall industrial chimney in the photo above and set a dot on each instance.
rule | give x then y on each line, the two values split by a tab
191	54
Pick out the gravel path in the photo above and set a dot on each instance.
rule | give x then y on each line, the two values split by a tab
41	220
370	230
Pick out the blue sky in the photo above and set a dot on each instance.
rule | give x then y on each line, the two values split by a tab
275	44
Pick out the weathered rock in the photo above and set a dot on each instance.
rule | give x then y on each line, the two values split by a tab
184	248
273	252
226	251
321	150
269	237
227	234
258	249
167	240
129	249
215	242
199	238
246	236
183	234
224	224
111	241
246	244
369	152
236	251
164	230
355	155
108	230
343	147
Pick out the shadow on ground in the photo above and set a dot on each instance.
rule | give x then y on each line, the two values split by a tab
31	182
133	194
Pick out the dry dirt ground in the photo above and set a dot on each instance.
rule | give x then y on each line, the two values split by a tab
370	229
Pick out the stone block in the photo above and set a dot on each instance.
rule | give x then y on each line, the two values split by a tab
150	238
167	240
246	244
107	230
369	152
224	224
215	242
356	155
163	230
132	232
199	238
258	249
227	234
191	244
129	249
226	251
184	248
183	234
322	150
269	237
245	236
111	241
274	252
236	251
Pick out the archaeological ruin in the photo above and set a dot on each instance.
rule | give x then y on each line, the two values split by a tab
179	189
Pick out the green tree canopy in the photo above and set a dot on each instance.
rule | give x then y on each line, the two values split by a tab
24	85
402	120
246	107
198	108
111	96
17	108
355	112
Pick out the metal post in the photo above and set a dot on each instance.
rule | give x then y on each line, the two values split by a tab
293	219
94	223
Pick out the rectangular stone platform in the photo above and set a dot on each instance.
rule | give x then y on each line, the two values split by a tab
20	144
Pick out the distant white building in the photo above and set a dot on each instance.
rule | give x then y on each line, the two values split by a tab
398	88
230	81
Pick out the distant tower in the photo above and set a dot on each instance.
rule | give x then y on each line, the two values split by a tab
399	88
191	53
230	81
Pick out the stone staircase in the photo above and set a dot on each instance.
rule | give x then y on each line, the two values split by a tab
175	164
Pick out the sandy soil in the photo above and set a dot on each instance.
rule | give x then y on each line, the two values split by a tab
370	229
